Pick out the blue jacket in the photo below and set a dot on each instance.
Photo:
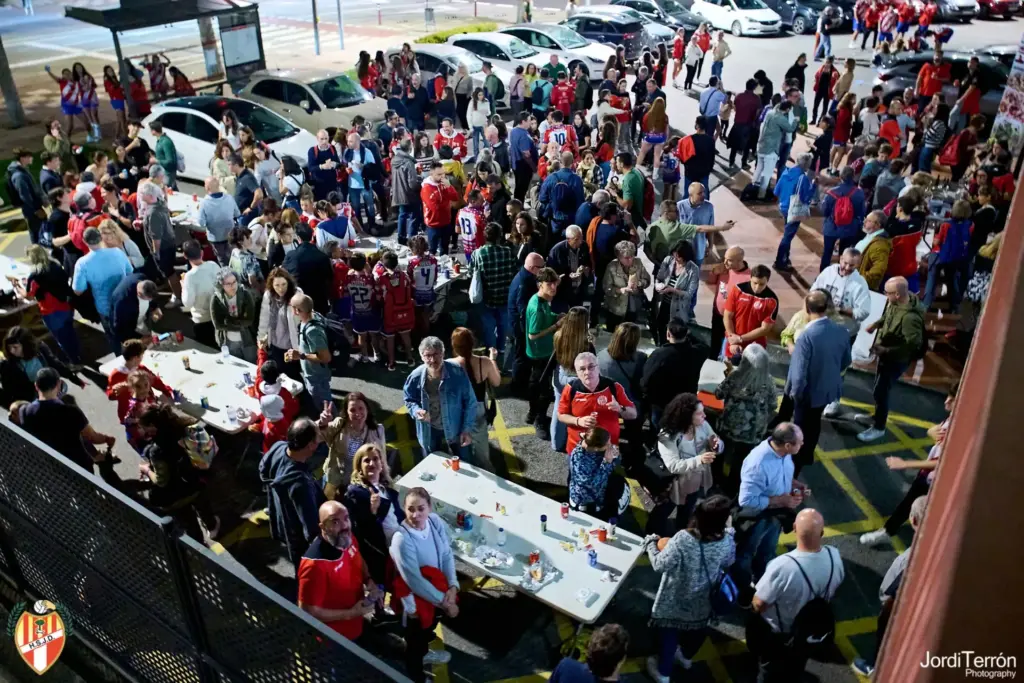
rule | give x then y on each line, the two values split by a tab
821	355
458	403
586	213
124	307
546	197
793	179
828	205
416	107
524	286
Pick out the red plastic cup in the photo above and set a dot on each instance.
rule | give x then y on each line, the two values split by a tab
455	463
179	336
602	534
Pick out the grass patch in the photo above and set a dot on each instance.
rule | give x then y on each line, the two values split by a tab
443	36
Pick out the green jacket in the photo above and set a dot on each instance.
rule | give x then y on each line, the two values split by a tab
165	154
493	85
901	329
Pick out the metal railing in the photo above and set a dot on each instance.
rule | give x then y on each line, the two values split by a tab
151	603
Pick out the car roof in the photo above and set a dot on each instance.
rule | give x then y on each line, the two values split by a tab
607	9
608	13
211	105
950	55
495	37
299	75
1003	49
436	49
536	26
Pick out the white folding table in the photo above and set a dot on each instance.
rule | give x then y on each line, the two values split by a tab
209	374
10	267
451	492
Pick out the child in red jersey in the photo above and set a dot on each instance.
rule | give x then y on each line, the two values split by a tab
366	321
470	223
399	316
563	134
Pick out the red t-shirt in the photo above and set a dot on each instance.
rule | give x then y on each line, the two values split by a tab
1004	184
677	48
931	78
751	310
333	579
726	281
580	403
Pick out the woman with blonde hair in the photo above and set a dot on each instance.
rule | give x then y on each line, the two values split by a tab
114	237
482	371
656	131
219	166
375	507
571	339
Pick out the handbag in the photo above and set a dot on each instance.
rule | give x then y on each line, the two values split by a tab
723	594
476	288
654	476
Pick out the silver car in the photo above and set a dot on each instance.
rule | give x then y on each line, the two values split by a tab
900	73
570	46
500	49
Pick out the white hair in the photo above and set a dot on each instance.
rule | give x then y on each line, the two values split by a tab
573	231
917	509
585	356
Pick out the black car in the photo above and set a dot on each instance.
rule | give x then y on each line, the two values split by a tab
610	30
667	12
801	16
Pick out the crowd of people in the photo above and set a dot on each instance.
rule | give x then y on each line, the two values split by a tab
559	227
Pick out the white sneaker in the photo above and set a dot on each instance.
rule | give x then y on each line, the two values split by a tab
871	434
681	660
652	671
214	532
174	302
833	409
436	657
875	537
864	419
852	44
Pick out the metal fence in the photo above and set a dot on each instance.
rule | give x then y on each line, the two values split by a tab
153	604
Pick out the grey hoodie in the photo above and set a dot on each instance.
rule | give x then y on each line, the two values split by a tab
776	125
405	181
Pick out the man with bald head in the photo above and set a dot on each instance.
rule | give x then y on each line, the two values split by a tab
732	271
322	162
335	585
899	341
524	286
217	214
790	582
560	195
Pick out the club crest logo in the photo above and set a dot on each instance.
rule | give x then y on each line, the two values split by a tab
39	633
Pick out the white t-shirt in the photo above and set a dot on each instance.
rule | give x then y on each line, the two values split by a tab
872	122
784	589
232	139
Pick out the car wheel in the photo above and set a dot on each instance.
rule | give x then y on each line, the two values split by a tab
799	26
737	29
983	12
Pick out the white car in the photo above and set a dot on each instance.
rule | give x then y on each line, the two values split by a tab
191	123
500	49
571	47
742	17
314	99
431	59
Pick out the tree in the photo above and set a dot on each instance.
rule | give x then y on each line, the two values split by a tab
15	111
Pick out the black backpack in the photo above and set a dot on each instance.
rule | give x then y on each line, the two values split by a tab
537	96
337	342
814	627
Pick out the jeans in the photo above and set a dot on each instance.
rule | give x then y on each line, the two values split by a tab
479	139
439	239
356	197
777	661
784	150
755	550
35	224
924	160
222	250
763	172
824	47
788	233
717	333
687	640
319	388
953	274
438	443
716	69
808	418
408	223
521	366
829	243
886	375
108	331
703	180
494	321
658	523
524	176
61	325
819	99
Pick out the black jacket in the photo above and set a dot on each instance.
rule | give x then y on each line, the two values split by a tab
124	306
313	272
499	213
681	363
558	260
15	382
49	180
368	527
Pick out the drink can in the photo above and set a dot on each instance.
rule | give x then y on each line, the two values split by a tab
469	521
247	377
186	362
565	511
179	336
602	534
456	266
592	557
204	402
543	523
534	556
460	519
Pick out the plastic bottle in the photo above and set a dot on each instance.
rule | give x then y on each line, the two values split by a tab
501	536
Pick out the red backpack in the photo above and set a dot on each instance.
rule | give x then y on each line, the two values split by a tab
950	155
843	213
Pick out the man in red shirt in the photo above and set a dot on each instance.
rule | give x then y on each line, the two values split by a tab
563	95
930	79
732	271
447	135
437	195
750	312
592	401
335	585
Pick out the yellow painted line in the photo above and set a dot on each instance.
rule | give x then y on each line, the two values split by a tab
857	627
440	670
897	417
859	527
848	651
637	506
6	241
856	496
509	431
878	449
504	439
909	443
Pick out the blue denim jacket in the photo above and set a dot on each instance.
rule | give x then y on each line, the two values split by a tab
458	403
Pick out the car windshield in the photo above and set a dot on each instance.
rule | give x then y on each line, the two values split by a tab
472	63
749	4
566	37
340	91
673	7
518	49
267	126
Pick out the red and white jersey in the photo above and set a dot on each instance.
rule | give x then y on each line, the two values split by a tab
309	219
564	135
362	289
70	92
470	222
157	76
423	271
455	140
378	271
395	294
88	91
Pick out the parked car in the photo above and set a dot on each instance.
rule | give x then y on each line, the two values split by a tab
900	73
432	58
656	32
500	49
313	99
1006	53
191	123
957	10
611	30
666	12
998	8
741	17
570	46
801	16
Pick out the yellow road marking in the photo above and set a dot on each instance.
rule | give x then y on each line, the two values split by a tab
878	449
440	670
502	434
911	444
897	417
6	241
856	496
